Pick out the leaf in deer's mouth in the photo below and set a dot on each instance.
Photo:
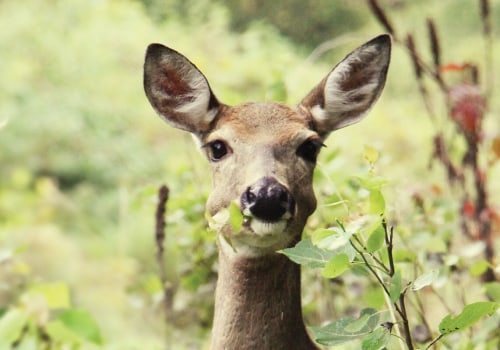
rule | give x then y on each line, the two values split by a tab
217	222
236	218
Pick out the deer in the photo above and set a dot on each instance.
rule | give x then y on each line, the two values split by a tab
262	157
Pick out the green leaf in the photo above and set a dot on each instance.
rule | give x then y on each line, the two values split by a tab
479	268
377	202
82	323
336	266
371	183
371	154
374	296
29	341
56	294
436	245
425	280
305	253
217	222
195	278
376	339
493	290
334	240
235	217
469	315
376	239
331	239
347	328
396	287
12	324
404	256
60	333
151	284
320	234
364	224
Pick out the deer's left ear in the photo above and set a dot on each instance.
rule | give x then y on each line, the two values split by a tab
346	94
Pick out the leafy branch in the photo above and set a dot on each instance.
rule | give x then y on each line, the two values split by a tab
399	304
368	240
337	332
467	103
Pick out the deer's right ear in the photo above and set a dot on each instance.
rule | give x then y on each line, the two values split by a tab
178	91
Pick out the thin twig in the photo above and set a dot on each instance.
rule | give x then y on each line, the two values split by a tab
488	50
163	193
389	235
381	266
367	264
434	341
379	13
419	67
406	324
401	307
435	49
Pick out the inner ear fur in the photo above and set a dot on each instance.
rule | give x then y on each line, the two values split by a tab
348	92
178	91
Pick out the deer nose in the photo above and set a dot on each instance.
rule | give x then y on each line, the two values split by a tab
268	200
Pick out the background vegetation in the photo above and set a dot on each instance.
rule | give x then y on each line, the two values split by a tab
82	155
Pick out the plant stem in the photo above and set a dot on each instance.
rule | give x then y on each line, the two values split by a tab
394	319
389	235
381	265
401	307
406	324
163	193
367	264
434	341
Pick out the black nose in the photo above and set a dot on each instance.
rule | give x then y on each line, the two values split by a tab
268	200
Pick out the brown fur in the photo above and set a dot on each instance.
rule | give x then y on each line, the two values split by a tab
274	320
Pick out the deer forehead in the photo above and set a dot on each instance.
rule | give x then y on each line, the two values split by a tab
261	123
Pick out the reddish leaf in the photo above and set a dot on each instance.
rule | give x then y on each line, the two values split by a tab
468	208
467	108
453	67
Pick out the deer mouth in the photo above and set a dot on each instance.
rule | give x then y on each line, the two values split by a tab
255	236
265	228
260	236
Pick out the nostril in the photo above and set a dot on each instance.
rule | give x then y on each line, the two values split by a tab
268	200
250	196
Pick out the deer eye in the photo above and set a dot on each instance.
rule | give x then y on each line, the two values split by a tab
309	150
216	150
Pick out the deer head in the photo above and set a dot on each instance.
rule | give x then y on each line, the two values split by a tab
263	154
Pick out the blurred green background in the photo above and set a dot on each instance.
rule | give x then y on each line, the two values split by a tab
82	153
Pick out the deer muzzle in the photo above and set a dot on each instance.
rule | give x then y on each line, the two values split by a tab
268	200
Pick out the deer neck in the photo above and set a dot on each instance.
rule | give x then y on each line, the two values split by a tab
258	304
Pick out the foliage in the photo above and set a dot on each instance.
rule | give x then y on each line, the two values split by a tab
306	23
365	245
45	318
466	102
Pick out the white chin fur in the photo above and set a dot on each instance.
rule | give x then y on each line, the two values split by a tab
260	238
263	228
